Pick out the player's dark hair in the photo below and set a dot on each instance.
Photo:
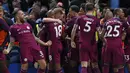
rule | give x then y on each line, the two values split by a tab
43	12
83	6
89	6
115	12
125	11
75	8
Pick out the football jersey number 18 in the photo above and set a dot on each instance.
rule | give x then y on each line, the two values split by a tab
58	30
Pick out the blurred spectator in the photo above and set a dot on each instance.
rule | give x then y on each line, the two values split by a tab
1	1
16	3
5	6
77	2
59	4
52	4
10	5
24	5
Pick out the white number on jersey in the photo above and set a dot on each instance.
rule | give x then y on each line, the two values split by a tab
87	25
110	29
58	30
41	54
127	57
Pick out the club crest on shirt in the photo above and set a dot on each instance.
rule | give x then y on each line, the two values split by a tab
28	27
25	59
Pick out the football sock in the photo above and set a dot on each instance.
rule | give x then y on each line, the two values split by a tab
23	71
41	71
59	71
84	70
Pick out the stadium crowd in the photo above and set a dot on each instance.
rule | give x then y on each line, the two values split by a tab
56	40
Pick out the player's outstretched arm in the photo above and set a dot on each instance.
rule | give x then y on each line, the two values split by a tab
73	33
41	42
51	20
11	44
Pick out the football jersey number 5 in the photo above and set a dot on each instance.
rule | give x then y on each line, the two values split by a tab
87	25
58	30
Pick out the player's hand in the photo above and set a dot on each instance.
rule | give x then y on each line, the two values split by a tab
59	21
5	51
36	65
49	43
73	45
67	37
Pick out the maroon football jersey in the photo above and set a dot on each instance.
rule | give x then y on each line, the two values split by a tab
23	34
54	34
88	25
127	40
114	28
69	25
43	34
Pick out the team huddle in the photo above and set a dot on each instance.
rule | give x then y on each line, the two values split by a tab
62	43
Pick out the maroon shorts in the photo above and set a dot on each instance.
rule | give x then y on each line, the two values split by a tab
45	52
55	54
127	55
86	54
114	56
30	53
94	55
75	54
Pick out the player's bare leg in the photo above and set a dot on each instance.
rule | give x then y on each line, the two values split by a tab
95	68
84	65
42	66
74	67
24	68
119	69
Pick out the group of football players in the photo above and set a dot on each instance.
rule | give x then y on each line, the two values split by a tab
73	39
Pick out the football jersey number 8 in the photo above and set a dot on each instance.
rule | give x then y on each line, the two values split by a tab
58	30
110	29
87	25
